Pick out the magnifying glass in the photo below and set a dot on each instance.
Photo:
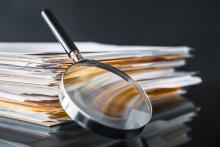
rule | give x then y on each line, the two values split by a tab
97	96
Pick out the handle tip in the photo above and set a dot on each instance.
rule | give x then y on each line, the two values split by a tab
45	12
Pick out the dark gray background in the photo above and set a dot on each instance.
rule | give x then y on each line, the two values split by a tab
195	23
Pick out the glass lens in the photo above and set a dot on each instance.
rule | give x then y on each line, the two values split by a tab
107	95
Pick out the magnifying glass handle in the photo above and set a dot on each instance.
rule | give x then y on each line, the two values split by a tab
61	35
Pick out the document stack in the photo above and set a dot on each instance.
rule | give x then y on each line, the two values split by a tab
30	74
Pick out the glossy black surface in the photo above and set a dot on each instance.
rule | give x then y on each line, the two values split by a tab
190	22
168	127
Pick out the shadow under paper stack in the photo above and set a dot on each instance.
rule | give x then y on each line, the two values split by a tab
30	74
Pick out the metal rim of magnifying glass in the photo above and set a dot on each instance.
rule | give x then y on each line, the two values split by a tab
86	121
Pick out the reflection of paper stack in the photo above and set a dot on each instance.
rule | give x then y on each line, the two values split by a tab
167	128
30	74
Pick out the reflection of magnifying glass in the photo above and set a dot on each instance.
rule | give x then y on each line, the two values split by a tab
97	96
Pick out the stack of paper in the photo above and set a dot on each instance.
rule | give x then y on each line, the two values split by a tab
30	74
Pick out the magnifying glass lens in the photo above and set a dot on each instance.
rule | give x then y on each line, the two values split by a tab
107	95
